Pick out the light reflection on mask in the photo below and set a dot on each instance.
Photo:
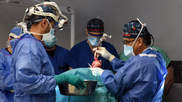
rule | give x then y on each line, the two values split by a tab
94	41
49	38
128	51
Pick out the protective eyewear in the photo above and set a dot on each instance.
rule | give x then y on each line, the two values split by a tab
127	42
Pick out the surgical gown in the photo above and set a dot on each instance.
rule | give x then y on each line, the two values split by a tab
139	79
57	58
6	78
81	55
162	52
33	71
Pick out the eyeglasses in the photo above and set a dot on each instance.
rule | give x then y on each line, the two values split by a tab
127	42
93	37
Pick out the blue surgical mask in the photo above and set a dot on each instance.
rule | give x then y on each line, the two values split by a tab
94	41
49	38
128	51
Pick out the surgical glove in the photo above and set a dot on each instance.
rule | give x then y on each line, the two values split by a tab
104	53
67	77
96	71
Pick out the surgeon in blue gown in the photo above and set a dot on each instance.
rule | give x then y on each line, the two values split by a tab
6	86
33	72
141	78
81	55
57	54
6	77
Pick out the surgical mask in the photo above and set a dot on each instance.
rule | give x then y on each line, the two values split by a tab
128	51
94	41
49	38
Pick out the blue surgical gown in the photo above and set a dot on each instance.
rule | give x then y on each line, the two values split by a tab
81	54
33	71
57	58
6	77
139	79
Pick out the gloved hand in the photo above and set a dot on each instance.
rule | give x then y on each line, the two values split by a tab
96	71
69	78
104	53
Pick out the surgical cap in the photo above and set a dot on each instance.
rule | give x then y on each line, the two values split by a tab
132	29
16	32
47	9
95	27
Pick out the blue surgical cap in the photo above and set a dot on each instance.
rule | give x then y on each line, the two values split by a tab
16	32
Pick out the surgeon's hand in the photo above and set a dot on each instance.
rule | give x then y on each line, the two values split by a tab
104	53
96	71
69	78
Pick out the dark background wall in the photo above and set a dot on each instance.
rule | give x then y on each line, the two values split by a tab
163	18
